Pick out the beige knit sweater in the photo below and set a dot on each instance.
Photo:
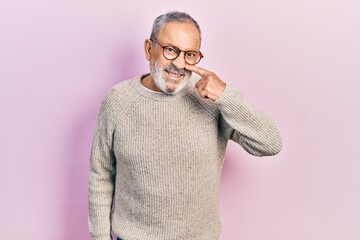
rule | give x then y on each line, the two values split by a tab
158	158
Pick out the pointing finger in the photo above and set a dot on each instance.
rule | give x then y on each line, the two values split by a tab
200	71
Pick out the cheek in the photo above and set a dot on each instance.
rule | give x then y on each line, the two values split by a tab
155	57
160	60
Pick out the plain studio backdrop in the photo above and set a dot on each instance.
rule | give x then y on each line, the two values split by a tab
296	60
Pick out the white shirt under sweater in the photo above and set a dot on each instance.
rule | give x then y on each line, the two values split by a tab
159	157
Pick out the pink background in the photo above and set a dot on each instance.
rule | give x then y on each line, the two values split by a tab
297	60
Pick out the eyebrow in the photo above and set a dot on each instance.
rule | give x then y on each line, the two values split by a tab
172	45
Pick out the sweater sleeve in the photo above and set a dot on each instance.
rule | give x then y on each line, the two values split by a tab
252	129
102	174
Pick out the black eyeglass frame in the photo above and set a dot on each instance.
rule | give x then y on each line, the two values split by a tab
179	52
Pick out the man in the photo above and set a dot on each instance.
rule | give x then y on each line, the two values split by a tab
160	140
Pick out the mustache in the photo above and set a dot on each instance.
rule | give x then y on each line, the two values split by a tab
172	68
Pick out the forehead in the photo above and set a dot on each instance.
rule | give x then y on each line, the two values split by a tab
183	35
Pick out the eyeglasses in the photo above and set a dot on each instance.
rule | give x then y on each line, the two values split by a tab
171	53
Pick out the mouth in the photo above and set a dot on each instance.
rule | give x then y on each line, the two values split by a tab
174	75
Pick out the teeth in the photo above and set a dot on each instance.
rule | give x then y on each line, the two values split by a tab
174	74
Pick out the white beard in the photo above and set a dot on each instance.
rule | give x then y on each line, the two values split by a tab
168	86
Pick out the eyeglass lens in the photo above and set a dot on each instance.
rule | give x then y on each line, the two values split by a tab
191	57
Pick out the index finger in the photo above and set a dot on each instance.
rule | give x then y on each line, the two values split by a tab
200	71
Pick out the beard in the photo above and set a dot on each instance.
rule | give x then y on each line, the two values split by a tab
160	73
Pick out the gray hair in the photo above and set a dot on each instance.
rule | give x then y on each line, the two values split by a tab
173	16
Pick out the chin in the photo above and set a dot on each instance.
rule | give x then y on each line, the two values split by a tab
174	89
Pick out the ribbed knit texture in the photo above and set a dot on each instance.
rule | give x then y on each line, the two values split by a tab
159	158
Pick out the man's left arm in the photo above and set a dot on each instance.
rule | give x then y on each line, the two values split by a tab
252	129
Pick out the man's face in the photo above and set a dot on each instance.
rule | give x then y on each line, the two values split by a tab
169	75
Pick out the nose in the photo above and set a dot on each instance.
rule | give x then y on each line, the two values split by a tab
179	62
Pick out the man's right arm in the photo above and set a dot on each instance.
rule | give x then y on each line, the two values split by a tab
102	175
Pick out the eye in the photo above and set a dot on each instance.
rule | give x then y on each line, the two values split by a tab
192	54
171	50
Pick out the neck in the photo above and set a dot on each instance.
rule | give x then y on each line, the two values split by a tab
149	83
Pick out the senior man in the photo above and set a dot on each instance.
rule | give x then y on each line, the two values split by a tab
160	139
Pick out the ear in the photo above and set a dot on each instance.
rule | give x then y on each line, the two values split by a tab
148	48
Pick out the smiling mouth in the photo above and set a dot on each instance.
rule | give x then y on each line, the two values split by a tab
174	75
